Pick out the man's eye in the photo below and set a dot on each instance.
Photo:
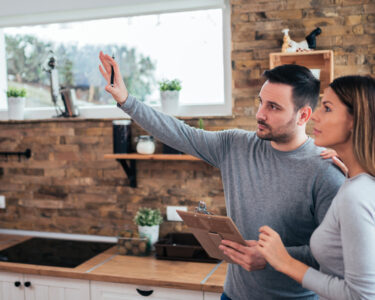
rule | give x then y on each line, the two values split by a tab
274	107
257	102
327	109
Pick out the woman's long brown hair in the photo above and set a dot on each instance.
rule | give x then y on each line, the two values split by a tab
358	94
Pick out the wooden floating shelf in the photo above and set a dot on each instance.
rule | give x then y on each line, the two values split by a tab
131	158
137	156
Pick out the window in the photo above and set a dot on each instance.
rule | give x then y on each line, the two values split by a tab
188	45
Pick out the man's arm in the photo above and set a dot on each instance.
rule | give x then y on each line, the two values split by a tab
327	182
209	146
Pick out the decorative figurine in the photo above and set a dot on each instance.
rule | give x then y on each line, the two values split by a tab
307	45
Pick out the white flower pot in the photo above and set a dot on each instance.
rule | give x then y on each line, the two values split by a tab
151	232
169	101
16	108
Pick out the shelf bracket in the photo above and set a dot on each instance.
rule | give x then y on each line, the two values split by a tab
27	154
130	171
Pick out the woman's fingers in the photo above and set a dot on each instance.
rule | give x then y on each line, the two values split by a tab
266	230
340	164
264	237
328	153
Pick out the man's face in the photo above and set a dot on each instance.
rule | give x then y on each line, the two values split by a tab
276	116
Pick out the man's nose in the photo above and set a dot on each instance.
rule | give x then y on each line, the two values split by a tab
260	115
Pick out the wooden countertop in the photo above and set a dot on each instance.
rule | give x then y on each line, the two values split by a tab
111	267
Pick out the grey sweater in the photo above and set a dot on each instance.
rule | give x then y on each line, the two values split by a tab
344	244
289	191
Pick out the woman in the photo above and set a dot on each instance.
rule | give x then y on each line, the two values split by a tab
344	244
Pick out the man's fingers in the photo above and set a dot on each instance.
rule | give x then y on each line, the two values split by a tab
234	255
251	243
105	75
104	58
234	245
110	89
113	63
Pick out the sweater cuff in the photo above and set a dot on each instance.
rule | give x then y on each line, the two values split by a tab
128	104
311	279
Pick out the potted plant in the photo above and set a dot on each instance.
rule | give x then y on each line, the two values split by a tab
16	103
169	95
148	221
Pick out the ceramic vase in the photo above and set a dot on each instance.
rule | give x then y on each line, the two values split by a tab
151	232
16	108
169	102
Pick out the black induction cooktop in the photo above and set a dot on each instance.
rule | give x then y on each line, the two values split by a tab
53	252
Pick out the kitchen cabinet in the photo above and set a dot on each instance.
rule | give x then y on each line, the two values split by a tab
16	286
11	286
211	296
120	291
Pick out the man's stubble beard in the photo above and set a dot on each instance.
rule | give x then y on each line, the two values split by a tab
282	135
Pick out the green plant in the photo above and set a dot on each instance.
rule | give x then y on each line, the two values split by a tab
170	85
16	92
200	123
148	217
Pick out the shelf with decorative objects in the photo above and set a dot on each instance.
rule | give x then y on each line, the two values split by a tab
319	61
130	169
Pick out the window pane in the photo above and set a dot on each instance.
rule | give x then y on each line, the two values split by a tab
184	45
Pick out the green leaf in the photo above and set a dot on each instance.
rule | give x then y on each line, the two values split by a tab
16	93
148	217
170	85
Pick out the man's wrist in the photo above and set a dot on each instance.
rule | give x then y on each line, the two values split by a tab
123	101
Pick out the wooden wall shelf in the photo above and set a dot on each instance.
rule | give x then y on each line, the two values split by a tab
137	156
320	59
130	170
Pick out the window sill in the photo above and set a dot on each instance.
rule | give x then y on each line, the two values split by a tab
113	113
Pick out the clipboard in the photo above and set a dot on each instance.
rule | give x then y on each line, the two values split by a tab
210	230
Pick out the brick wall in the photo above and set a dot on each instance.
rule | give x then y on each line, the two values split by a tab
67	186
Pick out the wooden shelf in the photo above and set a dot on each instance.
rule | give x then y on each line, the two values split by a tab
130	169
137	156
320	59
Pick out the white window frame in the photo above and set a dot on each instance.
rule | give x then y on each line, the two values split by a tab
35	12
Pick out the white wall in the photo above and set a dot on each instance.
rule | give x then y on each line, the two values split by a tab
28	12
3	72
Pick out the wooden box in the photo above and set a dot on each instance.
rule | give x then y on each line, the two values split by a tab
321	59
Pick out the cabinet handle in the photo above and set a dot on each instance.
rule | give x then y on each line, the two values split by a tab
17	283
27	284
145	293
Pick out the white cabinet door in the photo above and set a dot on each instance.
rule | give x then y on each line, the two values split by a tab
11	286
119	291
211	296
55	288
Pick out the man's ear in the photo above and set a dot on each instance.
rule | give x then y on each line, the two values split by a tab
303	115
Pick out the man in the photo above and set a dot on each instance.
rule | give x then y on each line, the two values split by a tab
274	176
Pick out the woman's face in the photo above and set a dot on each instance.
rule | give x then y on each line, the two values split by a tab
332	122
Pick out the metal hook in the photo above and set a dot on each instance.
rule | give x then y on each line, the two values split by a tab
202	208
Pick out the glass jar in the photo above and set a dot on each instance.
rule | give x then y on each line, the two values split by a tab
145	144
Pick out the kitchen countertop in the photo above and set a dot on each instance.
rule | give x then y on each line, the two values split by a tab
111	267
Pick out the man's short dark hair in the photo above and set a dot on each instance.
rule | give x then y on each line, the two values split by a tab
305	86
